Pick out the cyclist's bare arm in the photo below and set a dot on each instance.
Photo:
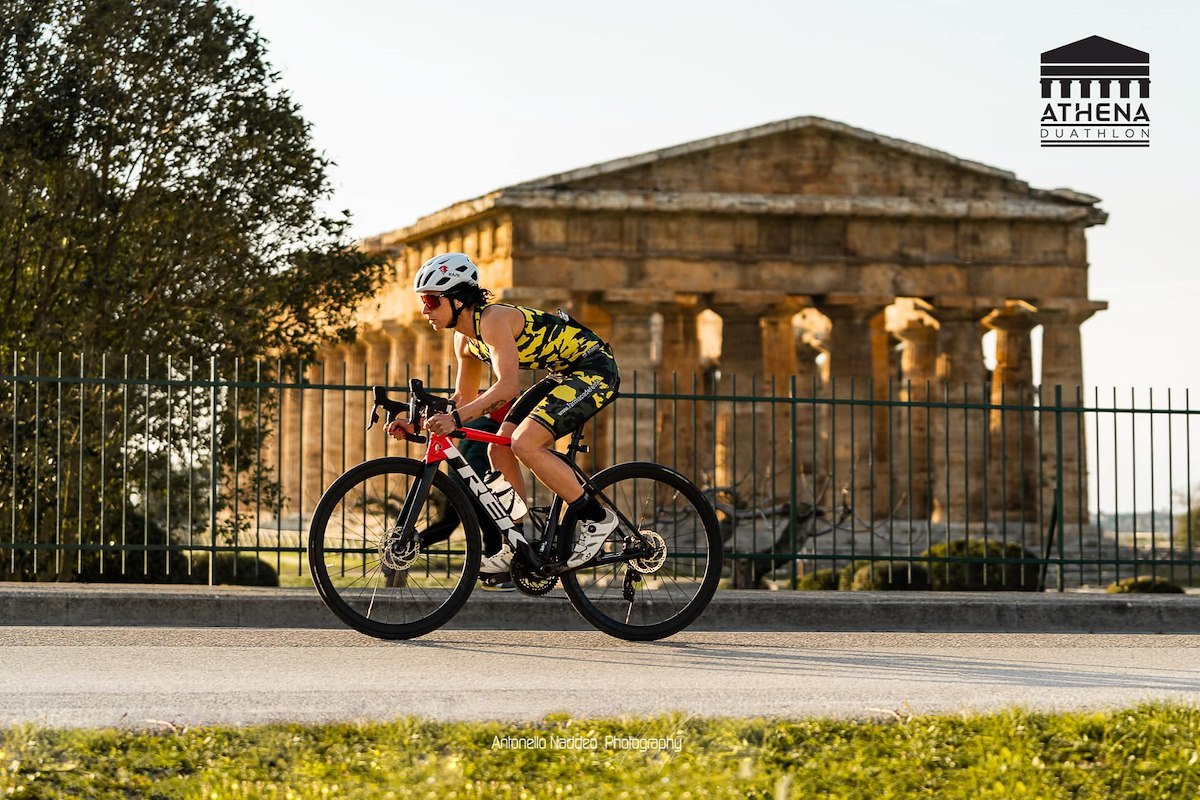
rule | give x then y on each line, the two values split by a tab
470	372
496	328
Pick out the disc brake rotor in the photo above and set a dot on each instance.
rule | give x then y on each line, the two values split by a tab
397	554
652	563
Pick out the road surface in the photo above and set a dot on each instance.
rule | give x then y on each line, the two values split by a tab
143	677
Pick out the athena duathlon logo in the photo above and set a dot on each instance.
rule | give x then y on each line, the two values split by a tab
1095	93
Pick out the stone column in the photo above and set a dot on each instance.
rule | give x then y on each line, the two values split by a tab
427	353
885	363
290	425
312	437
629	335
959	459
357	405
1013	461
920	433
812	439
780	365
334	460
679	373
1062	365
758	358
851	370
401	353
378	362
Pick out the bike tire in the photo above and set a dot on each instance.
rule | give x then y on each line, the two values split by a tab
347	538
652	497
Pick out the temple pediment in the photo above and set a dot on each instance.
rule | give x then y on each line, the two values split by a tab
804	166
806	156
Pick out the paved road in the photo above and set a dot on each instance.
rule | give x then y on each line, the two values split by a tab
130	676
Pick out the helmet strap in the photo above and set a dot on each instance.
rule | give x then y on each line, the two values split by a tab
458	307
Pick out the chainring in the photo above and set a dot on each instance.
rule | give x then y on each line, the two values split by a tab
526	581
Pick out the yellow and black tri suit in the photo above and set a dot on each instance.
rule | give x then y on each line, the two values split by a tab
583	374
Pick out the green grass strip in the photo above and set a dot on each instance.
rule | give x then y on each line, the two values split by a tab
1147	752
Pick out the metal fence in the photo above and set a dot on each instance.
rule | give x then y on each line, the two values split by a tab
137	468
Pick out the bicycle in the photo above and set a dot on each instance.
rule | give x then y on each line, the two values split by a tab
395	544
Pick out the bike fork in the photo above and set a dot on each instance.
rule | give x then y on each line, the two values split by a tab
406	520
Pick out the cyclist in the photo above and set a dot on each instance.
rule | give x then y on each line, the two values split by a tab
583	378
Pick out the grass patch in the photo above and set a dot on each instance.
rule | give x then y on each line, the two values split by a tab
1147	752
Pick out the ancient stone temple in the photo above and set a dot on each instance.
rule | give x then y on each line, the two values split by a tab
804	256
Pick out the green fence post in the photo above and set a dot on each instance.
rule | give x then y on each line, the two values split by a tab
212	455
1058	478
793	443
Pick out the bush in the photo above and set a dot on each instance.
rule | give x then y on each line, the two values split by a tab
235	570
961	576
846	574
1146	584
893	575
819	580
161	565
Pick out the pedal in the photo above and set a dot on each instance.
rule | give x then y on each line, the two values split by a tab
494	580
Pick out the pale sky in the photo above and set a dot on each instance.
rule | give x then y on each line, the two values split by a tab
423	104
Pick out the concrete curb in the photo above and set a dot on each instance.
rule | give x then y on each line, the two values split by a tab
997	612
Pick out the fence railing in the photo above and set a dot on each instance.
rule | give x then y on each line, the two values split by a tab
159	469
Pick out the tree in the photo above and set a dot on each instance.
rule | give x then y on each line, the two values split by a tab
159	192
159	195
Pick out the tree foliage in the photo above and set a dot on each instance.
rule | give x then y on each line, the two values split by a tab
159	191
159	195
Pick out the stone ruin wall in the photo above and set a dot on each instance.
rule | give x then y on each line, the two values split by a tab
886	269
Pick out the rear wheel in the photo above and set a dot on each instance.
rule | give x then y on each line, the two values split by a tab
662	592
374	579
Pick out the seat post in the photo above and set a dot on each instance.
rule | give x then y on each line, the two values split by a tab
576	441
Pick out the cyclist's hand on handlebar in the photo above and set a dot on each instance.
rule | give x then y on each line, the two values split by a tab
401	429
441	424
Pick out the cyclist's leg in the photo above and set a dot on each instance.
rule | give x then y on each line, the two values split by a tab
503	458
579	396
532	443
569	403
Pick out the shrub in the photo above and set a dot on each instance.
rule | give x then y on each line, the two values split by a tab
893	575
819	580
846	574
1146	584
234	571
961	576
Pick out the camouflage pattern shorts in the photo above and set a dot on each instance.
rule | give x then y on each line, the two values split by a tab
563	401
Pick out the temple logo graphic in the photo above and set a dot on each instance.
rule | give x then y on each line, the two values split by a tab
1095	93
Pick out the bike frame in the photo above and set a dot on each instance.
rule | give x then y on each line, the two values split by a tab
441	448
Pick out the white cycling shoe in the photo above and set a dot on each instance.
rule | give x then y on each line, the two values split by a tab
498	564
591	536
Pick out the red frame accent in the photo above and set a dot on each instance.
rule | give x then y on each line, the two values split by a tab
437	444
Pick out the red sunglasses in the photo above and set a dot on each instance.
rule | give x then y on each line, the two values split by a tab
431	301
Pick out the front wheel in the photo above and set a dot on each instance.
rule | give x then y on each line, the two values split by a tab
661	593
374	579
